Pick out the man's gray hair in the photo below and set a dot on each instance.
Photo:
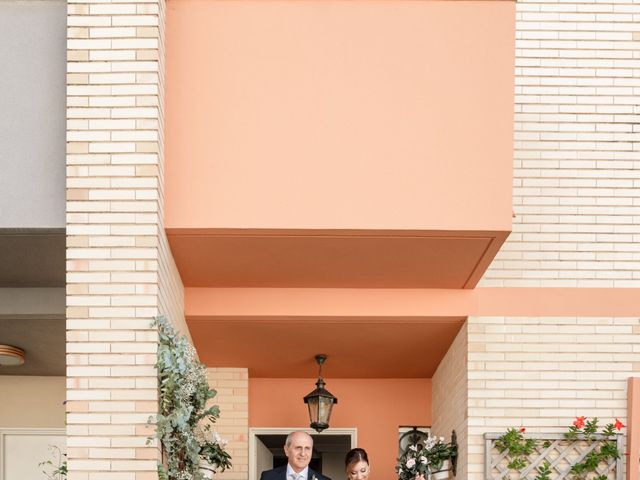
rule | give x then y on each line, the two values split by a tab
287	442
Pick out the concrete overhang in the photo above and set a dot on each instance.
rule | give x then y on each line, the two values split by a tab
369	333
338	144
32	257
33	319
292	259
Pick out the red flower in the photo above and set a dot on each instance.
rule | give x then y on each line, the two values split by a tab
579	422
619	425
522	429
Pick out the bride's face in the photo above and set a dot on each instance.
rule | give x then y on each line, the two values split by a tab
358	471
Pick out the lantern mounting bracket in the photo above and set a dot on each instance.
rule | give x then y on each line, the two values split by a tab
320	360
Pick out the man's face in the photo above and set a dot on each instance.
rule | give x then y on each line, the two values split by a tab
299	451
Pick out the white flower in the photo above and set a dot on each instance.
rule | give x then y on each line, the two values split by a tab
423	460
413	447
411	462
219	440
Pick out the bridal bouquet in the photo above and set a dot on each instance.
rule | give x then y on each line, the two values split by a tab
413	463
423	459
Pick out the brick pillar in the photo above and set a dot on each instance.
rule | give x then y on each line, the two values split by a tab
114	118
232	385
450	397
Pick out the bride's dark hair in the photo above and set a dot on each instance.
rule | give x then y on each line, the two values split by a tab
354	456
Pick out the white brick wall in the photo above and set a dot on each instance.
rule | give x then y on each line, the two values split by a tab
171	288
449	397
119	271
541	373
577	150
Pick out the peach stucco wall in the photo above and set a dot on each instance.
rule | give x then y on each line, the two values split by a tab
376	407
32	401
339	114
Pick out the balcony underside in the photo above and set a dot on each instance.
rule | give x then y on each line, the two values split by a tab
339	259
370	333
358	348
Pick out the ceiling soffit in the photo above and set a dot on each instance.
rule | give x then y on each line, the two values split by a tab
333	260
386	348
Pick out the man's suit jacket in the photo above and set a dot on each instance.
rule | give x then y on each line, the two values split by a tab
280	473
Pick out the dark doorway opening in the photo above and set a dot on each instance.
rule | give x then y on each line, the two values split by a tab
327	457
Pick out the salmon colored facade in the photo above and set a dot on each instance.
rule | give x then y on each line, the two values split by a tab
324	133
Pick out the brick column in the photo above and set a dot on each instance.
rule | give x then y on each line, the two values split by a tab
450	397
114	118
232	385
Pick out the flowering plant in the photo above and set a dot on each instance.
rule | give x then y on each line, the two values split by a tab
585	429
212	450
413	463
424	458
437	452
519	448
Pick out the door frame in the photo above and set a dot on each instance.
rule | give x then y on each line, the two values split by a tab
13	431
254	432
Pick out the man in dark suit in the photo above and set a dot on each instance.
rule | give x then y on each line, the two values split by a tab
298	448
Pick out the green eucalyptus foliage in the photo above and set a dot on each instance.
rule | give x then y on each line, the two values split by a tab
183	423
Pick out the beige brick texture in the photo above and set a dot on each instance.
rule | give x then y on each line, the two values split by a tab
577	152
120	273
449	397
541	373
232	385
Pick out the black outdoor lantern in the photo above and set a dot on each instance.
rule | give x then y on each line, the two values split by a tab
320	401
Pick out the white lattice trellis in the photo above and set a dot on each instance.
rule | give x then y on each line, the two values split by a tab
561	454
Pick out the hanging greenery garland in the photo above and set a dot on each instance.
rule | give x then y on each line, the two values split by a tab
191	449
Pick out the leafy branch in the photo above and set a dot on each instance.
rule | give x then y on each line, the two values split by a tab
518	448
183	423
56	468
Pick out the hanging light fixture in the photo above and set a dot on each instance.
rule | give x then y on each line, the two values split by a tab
11	356
320	401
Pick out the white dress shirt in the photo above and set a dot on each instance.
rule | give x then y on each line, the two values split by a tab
301	476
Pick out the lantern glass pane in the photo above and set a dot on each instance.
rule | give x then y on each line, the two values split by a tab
324	409
313	409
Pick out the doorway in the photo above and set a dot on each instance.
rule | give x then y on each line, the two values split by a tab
329	449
